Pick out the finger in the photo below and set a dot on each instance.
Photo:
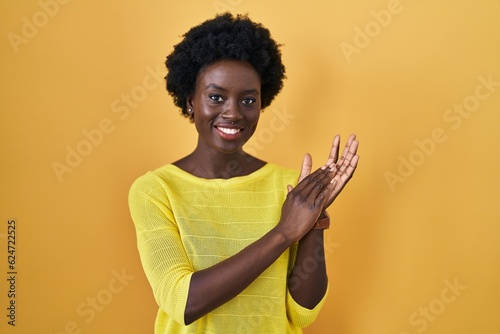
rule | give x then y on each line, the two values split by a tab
350	170
306	167
324	196
350	154
304	182
349	142
347	155
343	177
289	187
315	185
334	151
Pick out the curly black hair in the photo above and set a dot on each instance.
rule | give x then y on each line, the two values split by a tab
224	37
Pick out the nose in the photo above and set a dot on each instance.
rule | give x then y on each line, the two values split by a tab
232	112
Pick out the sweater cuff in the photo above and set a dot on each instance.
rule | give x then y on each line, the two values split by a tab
180	306
302	316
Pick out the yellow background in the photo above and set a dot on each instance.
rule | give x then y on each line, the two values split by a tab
394	247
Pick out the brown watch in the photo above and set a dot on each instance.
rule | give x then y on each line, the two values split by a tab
322	223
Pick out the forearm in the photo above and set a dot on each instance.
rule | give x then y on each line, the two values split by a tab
308	280
218	284
214	286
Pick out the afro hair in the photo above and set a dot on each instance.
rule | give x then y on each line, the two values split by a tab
224	37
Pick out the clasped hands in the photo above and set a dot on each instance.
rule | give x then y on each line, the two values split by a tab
316	191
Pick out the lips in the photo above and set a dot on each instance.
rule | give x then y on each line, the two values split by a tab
229	132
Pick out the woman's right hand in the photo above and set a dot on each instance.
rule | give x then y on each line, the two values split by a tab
304	203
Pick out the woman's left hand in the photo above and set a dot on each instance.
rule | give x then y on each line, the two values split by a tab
344	167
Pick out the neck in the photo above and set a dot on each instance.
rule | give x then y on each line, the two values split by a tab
205	163
220	165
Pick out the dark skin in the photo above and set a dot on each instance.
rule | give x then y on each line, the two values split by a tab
226	110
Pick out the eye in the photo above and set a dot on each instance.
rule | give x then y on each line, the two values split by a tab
248	100
216	98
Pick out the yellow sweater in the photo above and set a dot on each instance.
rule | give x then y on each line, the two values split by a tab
185	223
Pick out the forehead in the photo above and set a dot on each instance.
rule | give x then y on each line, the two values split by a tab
229	74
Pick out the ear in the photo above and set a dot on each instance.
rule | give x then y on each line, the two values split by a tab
189	102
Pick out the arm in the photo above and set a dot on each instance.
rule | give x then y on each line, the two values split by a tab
300	211
183	293
186	295
308	280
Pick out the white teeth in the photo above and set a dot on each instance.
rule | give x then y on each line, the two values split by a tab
229	131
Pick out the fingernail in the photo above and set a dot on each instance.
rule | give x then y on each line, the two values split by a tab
323	167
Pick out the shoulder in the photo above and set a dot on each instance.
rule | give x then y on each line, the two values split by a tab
282	169
288	175
154	179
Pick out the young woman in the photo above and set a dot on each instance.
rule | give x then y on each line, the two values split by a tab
227	242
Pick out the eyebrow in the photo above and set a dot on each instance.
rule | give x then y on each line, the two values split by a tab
248	91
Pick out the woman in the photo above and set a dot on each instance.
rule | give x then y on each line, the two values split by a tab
223	236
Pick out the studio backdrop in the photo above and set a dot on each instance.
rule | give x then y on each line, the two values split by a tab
414	245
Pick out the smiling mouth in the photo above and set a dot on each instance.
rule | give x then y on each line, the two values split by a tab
228	131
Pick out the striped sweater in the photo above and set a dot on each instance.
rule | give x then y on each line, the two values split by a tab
185	223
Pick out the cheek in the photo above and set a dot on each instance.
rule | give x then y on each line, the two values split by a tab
198	124
257	116
201	116
254	121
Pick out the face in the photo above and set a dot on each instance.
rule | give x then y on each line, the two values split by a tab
226	105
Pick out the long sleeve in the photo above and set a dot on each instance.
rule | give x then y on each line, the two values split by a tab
185	224
164	260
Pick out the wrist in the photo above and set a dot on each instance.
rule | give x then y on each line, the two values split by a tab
285	235
323	222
